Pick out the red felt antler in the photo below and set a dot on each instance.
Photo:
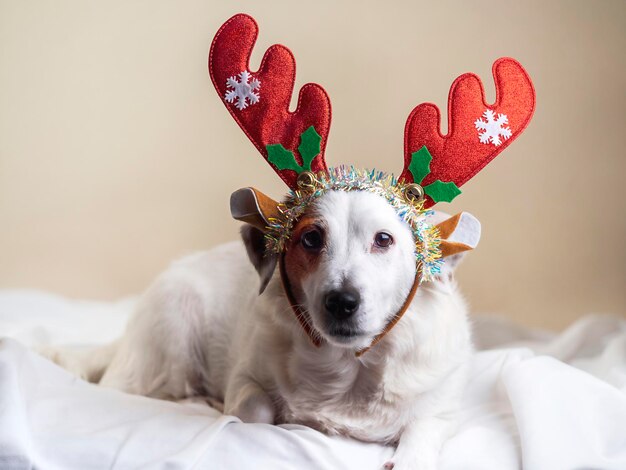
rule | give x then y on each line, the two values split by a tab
259	101
477	132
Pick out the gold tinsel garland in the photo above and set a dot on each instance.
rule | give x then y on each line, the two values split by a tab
344	178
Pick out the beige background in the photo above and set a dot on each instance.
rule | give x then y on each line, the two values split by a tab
116	155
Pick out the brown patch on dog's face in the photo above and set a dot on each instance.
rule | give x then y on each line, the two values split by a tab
307	243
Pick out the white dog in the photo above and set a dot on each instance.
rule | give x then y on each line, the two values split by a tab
203	329
333	330
319	318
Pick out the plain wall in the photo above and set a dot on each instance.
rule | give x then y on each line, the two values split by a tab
117	155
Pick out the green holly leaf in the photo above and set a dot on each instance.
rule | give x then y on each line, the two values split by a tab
440	191
309	147
420	164
282	158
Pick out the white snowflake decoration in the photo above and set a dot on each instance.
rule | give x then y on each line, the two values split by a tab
243	90
493	128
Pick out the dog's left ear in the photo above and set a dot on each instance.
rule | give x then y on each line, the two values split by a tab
459	234
256	209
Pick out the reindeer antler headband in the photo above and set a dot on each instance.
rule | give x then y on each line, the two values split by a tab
435	165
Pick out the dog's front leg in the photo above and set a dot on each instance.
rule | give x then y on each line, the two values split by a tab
420	444
248	401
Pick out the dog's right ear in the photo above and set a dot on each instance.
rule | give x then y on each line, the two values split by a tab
256	209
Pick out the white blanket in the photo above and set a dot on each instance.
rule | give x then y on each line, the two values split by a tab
536	400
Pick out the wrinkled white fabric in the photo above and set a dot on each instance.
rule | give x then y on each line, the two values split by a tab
536	400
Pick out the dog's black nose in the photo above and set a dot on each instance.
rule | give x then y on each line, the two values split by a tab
342	304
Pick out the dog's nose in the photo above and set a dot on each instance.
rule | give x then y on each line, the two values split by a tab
343	303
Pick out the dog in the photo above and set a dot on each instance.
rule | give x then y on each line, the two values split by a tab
203	329
323	315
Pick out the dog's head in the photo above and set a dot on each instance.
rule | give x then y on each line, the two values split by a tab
347	257
350	260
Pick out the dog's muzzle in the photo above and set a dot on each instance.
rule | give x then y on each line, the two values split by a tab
343	304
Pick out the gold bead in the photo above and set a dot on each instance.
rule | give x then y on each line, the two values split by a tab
306	180
414	193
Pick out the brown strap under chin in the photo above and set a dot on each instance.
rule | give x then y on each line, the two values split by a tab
300	313
397	316
305	322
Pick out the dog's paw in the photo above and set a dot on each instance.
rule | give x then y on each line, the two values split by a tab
251	412
252	405
391	465
65	359
403	462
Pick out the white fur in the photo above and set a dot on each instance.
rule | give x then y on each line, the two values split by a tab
202	329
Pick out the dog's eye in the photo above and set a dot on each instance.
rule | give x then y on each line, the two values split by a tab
312	239
383	239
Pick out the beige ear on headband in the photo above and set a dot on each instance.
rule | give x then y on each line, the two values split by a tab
459	233
251	206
